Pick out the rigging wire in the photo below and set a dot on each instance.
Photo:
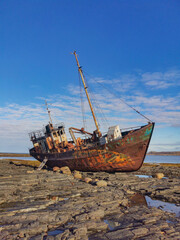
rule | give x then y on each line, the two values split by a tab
96	107
82	103
99	109
123	101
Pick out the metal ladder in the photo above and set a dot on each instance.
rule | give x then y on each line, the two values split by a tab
42	164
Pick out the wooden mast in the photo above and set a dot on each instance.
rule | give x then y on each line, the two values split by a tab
48	111
85	88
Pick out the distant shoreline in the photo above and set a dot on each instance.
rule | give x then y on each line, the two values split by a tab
164	153
177	153
14	155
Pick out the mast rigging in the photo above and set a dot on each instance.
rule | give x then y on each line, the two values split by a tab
110	91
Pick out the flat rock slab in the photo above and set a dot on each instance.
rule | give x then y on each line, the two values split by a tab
52	205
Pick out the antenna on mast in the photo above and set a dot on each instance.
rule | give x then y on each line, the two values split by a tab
49	112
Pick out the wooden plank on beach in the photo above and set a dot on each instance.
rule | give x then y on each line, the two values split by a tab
42	164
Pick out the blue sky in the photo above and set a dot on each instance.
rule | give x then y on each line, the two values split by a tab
131	47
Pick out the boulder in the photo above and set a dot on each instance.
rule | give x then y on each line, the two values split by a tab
77	175
159	175
101	183
56	169
30	171
65	170
87	179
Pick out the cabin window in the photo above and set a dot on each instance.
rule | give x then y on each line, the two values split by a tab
54	134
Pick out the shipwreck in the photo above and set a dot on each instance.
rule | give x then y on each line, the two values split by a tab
117	150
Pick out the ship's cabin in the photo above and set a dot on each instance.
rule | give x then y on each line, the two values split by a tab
53	138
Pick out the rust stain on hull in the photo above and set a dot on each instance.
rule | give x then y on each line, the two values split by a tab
126	154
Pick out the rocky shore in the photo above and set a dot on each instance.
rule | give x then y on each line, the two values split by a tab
61	205
175	153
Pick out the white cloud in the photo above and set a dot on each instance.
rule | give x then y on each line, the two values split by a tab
161	80
123	83
17	120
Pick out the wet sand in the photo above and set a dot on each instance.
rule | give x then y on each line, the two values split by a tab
52	205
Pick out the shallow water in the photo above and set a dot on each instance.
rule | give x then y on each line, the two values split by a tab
143	176
140	200
165	206
162	159
54	232
148	159
19	158
111	224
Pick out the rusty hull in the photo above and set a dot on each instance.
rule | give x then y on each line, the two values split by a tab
126	154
